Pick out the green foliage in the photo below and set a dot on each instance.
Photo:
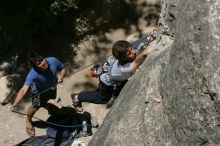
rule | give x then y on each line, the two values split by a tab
22	19
59	7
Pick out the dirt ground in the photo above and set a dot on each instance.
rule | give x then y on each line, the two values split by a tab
12	125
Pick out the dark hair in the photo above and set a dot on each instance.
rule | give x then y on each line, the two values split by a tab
119	51
34	58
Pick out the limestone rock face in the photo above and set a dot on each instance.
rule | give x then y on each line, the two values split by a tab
174	99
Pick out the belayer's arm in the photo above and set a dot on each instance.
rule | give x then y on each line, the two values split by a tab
62	74
20	94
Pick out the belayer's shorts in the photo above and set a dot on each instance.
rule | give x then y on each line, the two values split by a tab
40	100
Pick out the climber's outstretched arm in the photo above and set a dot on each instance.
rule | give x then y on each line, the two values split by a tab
141	57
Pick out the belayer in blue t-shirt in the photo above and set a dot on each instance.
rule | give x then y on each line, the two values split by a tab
42	78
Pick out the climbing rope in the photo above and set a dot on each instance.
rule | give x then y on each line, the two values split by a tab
51	123
53	87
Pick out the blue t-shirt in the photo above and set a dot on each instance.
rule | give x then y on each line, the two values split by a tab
44	80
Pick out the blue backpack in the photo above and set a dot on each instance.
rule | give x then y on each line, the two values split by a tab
58	133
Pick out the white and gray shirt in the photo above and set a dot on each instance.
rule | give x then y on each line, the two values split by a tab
117	72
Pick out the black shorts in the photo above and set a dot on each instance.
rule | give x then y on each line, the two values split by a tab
40	100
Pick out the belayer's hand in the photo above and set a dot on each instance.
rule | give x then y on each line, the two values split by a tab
11	108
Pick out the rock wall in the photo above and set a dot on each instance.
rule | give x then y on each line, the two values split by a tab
173	100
